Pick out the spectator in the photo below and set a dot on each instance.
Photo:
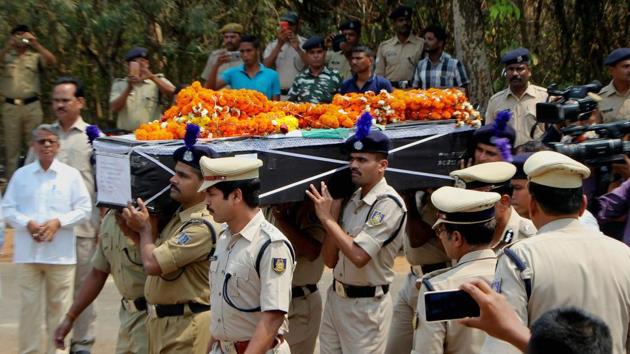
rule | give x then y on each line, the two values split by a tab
615	103
318	83
251	75
339	56
21	60
228	57
438	69
285	54
136	98
364	79
615	205
44	200
397	57
520	97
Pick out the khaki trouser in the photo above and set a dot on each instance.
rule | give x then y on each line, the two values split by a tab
356	325
400	339
18	123
305	314
189	333
132	335
83	332
282	348
54	283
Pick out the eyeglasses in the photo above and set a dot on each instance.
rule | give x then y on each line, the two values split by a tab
50	141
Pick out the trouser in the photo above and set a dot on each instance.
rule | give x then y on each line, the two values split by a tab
132	335
55	282
282	348
83	332
355	325
189	333
18	123
400	338
305	314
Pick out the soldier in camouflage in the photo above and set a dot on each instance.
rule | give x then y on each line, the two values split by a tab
317	83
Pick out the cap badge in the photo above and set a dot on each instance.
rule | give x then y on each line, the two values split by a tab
519	59
188	156
358	145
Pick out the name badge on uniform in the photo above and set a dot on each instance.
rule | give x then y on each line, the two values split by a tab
279	265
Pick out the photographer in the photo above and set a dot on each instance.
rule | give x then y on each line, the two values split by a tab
615	104
340	53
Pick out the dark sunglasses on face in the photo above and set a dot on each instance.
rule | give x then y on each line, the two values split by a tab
50	141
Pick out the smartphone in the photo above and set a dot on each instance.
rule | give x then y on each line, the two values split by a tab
449	305
236	55
284	25
134	68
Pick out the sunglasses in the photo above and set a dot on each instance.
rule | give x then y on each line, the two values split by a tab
50	141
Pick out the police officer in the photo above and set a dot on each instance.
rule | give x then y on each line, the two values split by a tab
465	228
317	83
136	98
361	249
397	57
229	56
252	268
300	225
485	141
497	177
615	103
340	59
567	263
520	97
119	256
21	62
176	263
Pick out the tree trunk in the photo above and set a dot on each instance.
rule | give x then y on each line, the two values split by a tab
470	48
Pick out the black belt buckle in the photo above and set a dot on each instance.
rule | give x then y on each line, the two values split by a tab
298	291
284	92
178	309
352	291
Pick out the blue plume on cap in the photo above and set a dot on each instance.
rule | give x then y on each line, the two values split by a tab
192	132
500	123
364	123
92	132
498	132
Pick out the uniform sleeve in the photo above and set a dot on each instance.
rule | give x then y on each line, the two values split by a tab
428	336
384	219
513	288
190	245
491	111
99	261
276	276
380	62
117	89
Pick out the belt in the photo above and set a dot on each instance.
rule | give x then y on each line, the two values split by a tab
401	84
241	347
136	305
160	311
21	101
352	291
299	291
428	268
284	92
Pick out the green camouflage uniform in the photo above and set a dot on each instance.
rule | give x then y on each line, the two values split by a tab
315	89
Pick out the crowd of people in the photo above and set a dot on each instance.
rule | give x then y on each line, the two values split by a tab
216	272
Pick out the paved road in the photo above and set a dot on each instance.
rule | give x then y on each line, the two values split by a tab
106	307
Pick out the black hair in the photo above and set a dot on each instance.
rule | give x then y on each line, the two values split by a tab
474	234
248	38
531	146
250	189
505	188
363	49
20	28
556	201
79	90
437	31
569	330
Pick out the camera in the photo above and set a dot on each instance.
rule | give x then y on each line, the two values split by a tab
574	103
606	148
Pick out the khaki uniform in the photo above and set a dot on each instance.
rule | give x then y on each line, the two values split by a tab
338	61
19	79
288	62
516	229
360	325
523	111
450	337
240	291
212	58
569	264
142	106
183	257
118	256
614	106
396	61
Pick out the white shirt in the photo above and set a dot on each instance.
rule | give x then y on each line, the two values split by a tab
35	194
288	62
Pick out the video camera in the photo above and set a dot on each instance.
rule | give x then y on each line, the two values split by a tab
606	148
574	103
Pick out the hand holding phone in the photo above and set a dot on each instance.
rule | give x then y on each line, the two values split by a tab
134	69
449	305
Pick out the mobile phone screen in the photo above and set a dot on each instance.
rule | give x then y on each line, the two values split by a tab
449	305
134	68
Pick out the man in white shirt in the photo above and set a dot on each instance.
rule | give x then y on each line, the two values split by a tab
43	202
